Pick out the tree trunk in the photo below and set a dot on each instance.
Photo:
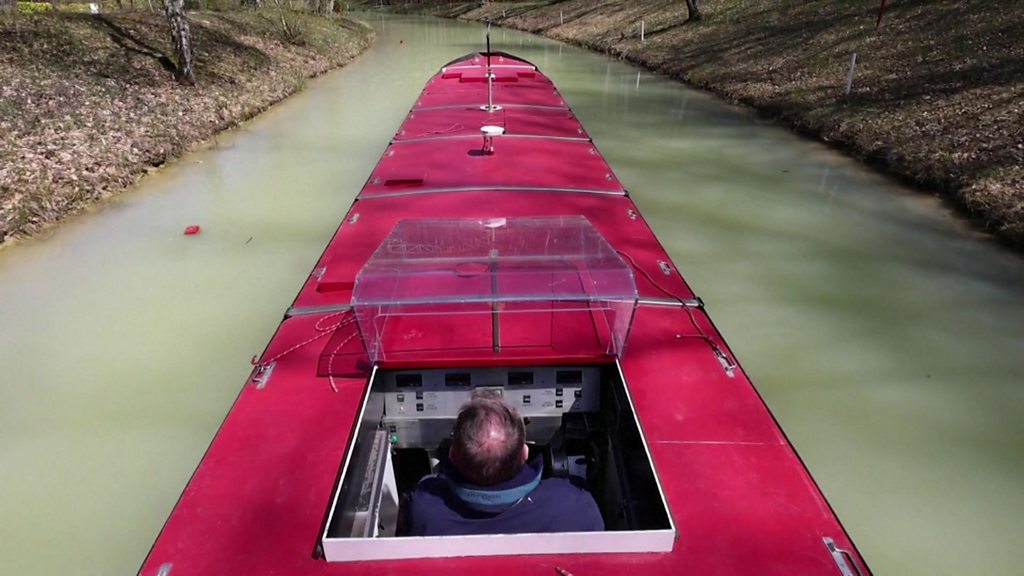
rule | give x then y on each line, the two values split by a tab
182	38
693	10
325	7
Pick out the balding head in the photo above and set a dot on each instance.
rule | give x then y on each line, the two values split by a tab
489	441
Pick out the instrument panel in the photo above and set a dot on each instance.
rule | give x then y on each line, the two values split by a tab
420	406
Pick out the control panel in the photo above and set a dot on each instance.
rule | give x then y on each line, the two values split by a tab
534	391
420	406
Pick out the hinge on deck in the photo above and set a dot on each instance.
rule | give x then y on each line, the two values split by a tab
666	268
261	375
840	557
164	569
728	365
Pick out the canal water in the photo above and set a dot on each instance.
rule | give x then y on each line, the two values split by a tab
886	337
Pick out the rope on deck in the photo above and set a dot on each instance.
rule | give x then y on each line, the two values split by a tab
347	318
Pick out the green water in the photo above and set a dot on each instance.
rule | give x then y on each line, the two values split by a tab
885	336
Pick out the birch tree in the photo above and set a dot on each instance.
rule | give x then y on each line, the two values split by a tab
326	7
182	38
321	7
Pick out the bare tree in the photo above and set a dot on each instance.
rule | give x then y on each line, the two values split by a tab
693	11
325	7
182	38
321	7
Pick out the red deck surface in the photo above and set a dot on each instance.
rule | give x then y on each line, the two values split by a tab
524	121
741	500
440	164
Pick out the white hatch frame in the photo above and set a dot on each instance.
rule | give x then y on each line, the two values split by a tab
383	547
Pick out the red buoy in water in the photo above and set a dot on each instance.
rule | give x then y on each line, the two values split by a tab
192	230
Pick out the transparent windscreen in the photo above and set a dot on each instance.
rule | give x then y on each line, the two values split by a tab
512	285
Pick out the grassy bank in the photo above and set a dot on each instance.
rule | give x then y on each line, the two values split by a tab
88	103
938	90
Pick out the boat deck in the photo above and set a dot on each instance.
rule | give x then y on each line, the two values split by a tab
741	500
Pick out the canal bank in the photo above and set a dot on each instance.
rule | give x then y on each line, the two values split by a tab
88	103
937	94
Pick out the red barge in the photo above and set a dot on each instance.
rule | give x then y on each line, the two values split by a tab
493	247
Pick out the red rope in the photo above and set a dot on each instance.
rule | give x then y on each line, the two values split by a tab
324	331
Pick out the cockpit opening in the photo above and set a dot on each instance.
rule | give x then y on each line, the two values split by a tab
579	421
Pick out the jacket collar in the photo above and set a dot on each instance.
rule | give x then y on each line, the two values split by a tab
499	496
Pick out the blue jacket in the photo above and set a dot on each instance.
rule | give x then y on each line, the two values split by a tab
447	504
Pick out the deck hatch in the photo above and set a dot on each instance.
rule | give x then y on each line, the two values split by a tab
591	433
509	288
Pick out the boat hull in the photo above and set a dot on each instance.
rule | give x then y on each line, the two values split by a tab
740	499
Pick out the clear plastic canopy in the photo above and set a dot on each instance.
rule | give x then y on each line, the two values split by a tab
511	287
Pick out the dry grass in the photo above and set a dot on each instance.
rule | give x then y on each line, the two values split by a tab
88	103
938	96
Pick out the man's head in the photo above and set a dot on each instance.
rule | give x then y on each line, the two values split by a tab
489	441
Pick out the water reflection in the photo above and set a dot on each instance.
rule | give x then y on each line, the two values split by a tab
885	338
